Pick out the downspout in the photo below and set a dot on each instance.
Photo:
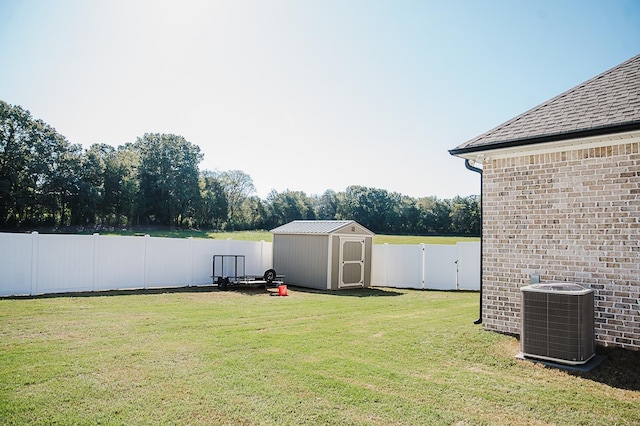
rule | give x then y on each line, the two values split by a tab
467	164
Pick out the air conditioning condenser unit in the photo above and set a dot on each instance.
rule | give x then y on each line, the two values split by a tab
557	323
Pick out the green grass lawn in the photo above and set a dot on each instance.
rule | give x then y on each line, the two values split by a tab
267	236
367	357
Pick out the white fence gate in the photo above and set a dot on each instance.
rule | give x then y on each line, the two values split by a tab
32	264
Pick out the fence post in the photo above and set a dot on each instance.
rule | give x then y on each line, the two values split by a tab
423	266
190	261
146	261
262	268
34	263
96	260
386	264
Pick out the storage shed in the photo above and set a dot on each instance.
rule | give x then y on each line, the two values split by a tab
323	254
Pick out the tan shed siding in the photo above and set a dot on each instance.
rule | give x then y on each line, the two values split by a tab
367	261
302	259
335	261
568	216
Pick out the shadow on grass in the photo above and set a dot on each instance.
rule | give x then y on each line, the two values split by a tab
252	290
619	369
355	292
246	289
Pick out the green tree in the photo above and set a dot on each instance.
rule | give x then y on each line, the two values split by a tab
57	168
88	205
17	188
45	180
325	206
465	215
39	171
287	206
405	215
435	215
237	186
121	186
254	213
168	177
214	205
370	207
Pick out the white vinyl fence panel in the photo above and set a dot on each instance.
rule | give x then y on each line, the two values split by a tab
397	266
469	266
15	264
65	263
427	266
121	263
32	264
167	262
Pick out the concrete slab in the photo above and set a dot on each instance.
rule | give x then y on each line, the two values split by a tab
583	368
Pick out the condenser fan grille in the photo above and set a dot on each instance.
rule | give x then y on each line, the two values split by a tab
557	323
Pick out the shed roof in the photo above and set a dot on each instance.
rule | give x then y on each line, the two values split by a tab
607	103
317	227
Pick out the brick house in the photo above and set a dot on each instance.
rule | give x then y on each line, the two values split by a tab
561	201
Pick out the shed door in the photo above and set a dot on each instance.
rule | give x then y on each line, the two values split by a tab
351	262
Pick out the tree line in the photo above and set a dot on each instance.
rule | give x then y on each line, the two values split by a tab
46	181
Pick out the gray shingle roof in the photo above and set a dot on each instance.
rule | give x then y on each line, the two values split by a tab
607	103
311	227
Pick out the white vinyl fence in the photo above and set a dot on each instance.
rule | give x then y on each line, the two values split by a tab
427	266
33	264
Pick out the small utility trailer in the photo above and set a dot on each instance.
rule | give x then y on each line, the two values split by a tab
229	270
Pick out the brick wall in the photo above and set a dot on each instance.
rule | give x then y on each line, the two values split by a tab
569	216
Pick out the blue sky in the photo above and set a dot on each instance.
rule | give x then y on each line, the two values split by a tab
307	95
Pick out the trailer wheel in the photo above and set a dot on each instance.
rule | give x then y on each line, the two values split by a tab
223	283
269	275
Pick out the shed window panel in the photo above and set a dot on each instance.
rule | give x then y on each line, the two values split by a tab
352	273
352	251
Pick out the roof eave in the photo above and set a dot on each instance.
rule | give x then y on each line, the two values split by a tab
595	131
